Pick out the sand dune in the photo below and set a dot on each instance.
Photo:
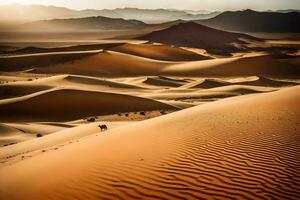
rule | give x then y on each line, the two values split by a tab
263	81
71	104
255	81
242	89
51	140
159	52
31	61
17	90
239	148
158	81
11	135
95	81
7	79
40	128
76	80
206	84
194	35
108	63
240	66
175	110
122	64
207	95
31	50
192	96
21	88
175	79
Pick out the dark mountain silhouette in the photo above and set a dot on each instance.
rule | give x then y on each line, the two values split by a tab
252	21
191	34
76	24
29	13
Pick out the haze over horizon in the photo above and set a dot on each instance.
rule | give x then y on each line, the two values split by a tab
167	4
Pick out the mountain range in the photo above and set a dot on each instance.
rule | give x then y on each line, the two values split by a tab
40	18
82	24
19	13
253	21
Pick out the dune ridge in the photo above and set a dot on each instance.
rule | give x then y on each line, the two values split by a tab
263	81
11	135
262	65
108	63
159	52
158	81
59	105
207	83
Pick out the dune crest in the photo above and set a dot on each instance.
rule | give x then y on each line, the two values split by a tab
59	105
263	65
160	52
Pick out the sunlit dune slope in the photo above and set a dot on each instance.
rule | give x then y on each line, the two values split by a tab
108	63
238	148
159	52
11	135
263	81
21	88
264	65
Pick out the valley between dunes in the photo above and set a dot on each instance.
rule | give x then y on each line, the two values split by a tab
182	123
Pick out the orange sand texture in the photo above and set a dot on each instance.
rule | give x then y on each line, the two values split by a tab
181	124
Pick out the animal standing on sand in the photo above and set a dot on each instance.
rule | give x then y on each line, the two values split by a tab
103	127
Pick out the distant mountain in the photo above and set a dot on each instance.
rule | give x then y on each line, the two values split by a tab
191	34
160	15
287	10
252	21
189	17
195	12
27	13
81	24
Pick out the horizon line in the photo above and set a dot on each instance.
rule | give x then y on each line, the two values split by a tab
158	8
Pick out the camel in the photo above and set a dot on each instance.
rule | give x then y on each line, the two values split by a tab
103	127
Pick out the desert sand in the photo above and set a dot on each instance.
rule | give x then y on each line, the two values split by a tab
243	147
182	123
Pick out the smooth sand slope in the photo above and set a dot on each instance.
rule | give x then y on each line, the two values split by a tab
260	65
159	52
161	82
263	81
11	135
21	88
85	62
239	148
31	61
145	59
71	104
206	84
108	63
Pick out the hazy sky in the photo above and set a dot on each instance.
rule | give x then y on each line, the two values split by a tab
178	4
